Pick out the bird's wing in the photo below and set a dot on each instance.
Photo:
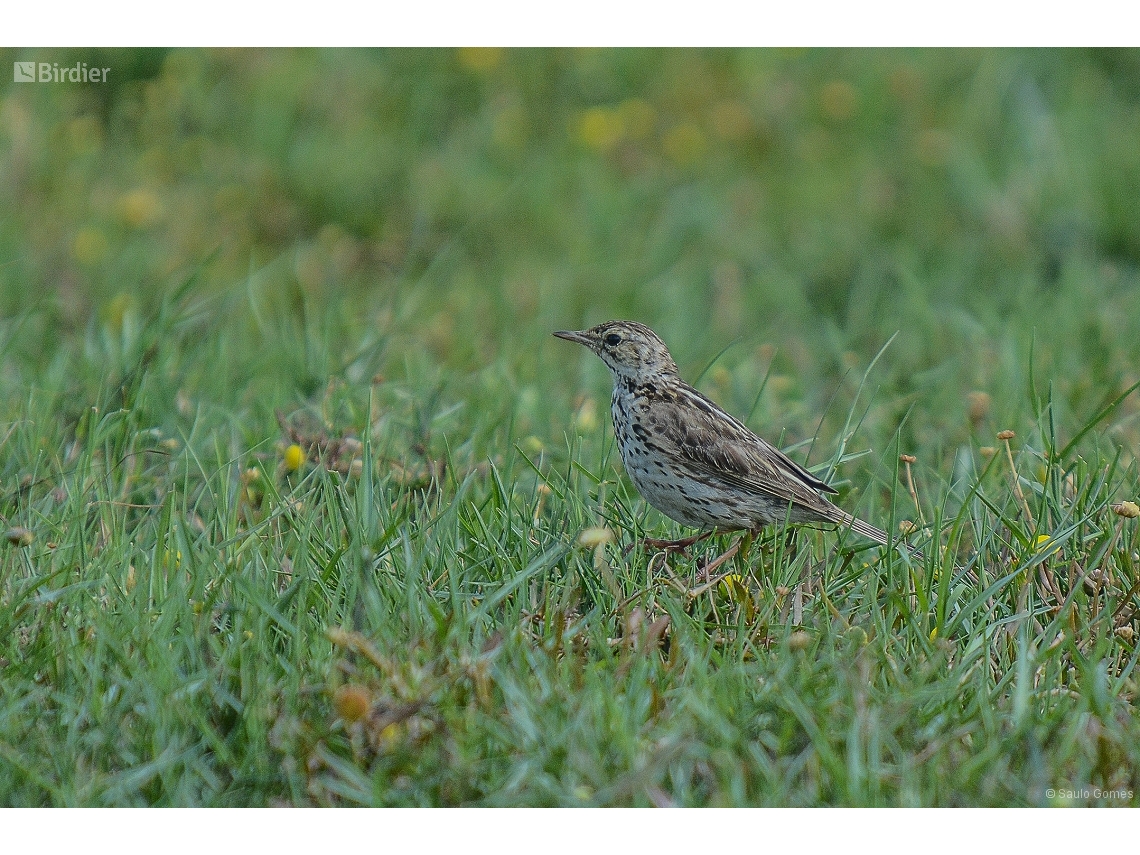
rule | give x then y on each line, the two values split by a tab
714	443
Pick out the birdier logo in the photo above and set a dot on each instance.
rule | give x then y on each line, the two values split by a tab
51	72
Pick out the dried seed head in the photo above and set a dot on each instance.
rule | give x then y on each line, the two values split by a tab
987	451
1129	510
799	640
352	702
908	458
595	536
1006	435
1126	632
907	527
979	404
19	536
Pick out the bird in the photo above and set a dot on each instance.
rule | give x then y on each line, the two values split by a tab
690	459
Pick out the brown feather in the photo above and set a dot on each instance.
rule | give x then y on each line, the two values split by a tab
718	444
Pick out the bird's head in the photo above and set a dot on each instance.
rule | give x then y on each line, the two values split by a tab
630	349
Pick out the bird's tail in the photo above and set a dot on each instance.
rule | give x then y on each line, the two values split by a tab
869	531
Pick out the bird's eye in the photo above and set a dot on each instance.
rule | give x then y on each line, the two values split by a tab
613	339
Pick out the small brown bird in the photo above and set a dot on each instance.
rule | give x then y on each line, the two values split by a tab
689	458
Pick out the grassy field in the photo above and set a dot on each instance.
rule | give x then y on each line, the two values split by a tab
304	504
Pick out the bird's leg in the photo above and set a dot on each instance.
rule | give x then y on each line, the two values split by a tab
708	569
673	545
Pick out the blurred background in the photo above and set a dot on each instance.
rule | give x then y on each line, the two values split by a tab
436	213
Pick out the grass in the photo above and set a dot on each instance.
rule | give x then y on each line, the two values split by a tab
429	601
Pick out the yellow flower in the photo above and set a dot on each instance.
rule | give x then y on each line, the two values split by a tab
1042	539
294	457
139	208
600	128
389	736
734	588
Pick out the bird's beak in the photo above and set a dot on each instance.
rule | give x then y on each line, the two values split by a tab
571	335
